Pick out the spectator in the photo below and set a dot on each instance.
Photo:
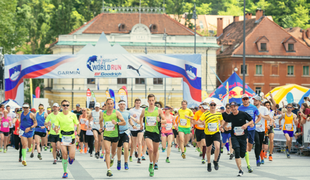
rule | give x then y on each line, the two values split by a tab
304	112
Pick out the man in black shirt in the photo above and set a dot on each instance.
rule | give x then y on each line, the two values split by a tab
239	122
78	111
226	137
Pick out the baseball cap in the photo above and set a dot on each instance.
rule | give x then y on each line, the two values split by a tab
245	96
257	98
26	105
233	104
97	105
167	107
77	105
205	106
212	101
295	105
56	104
222	108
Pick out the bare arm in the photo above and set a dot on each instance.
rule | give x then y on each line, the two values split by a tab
163	118
141	119
101	120
120	117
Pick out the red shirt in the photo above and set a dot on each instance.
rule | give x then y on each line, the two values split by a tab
16	131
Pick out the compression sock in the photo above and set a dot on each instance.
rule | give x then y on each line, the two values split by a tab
247	159
24	152
227	146
65	164
204	149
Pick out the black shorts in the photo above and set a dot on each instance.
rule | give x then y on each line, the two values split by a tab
82	136
41	134
135	133
5	133
265	140
271	130
111	139
211	138
11	130
99	133
123	138
239	142
152	135
53	138
200	134
175	132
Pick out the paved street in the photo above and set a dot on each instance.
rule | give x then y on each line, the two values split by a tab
85	167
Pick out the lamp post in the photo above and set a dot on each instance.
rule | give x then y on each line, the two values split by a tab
165	38
2	74
194	17
243	47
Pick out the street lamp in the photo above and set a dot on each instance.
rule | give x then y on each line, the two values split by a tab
243	47
2	72
194	17
165	38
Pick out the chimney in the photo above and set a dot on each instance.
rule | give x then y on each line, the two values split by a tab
248	16
219	26
308	33
259	14
236	18
303	34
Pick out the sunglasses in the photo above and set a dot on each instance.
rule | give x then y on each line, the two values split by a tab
65	105
227	108
245	99
212	104
289	107
41	108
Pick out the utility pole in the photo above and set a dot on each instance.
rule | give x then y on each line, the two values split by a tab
243	47
194	17
165	38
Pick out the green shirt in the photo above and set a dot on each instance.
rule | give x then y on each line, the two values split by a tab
110	129
151	123
66	122
52	118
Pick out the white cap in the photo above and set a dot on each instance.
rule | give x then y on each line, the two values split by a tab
26	105
97	105
56	104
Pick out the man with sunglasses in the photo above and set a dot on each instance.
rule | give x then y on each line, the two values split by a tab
253	112
96	120
211	119
226	132
40	130
65	125
27	125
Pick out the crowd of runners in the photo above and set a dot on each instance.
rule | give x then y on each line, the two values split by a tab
109	132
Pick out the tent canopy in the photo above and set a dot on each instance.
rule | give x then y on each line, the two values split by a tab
233	87
13	104
307	94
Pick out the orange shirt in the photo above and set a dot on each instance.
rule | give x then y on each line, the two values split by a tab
82	122
196	118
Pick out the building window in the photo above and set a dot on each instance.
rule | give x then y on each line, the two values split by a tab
305	70
263	47
121	80
291	47
259	69
290	70
258	90
91	81
246	69
140	80
158	81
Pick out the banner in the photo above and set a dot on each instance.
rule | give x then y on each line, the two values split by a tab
37	92
112	95
88	97
123	95
93	96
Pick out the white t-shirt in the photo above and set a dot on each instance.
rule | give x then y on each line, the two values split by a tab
260	126
88	132
136	112
12	116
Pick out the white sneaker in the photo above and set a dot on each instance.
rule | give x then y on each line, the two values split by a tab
240	173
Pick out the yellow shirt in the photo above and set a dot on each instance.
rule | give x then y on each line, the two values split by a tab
185	122
66	122
211	122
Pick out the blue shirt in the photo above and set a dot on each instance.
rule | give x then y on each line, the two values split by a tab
25	121
126	116
252	111
40	120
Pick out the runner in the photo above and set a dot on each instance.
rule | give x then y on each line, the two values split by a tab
83	119
211	119
40	130
199	134
112	120
27	125
226	137
137	134
89	135
102	144
166	131
270	129
65	126
53	137
151	134
124	135
96	120
260	128
18	143
253	112
5	124
239	123
11	116
78	112
184	126
288	127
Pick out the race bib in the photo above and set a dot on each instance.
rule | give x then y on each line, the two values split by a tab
288	127
21	132
66	140
109	126
151	121
238	131
201	125
259	124
212	127
168	126
228	125
183	122
82	121
5	124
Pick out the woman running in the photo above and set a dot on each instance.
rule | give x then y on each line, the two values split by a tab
83	120
5	122
166	132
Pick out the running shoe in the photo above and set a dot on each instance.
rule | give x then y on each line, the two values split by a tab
200	155
97	155
65	175
184	149
20	160
209	167
222	150
262	161
109	173
1	150
85	150
139	161
231	156
143	158
270	158
130	158
4	150
101	157
258	163
30	149
111	162
81	151
39	156
24	163
126	166
187	145
203	161
119	166
179	149
151	170
228	153
55	161
288	155
183	155
70	160
250	170
167	160
175	145
136	154
31	155
163	149
240	173
216	165
265	155
91	155
51	150
156	166
45	148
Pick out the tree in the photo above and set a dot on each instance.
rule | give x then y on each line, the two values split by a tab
231	7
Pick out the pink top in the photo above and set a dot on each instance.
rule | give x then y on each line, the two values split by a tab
5	125
167	128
